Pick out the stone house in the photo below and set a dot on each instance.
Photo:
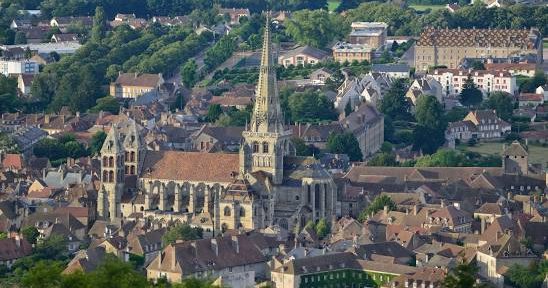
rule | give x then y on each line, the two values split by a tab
302	56
478	124
367	124
134	85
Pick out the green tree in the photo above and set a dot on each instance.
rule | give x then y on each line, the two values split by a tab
315	27
442	158
106	104
181	232
528	277
20	37
99	25
310	106
394	104
530	85
9	102
97	141
7	144
345	143
470	95
30	233
477	65
114	273
188	73
214	111
502	103
302	149
377	205
3	235
45	274
28	53
429	134
322	228
383	159
463	276
347	109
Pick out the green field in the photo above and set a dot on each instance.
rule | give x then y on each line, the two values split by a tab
426	7
537	153
333	4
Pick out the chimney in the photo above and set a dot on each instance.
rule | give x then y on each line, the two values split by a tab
17	240
214	246
482	225
415	209
236	244
385	209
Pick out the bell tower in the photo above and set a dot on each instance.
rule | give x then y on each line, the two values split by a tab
112	177
133	150
266	141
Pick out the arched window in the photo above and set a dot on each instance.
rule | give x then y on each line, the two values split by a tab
255	147
265	147
242	212
227	211
126	156
132	156
105	176
111	176
132	170
111	161
105	161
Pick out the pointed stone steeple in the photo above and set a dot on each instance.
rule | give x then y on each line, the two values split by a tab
267	115
266	142
112	142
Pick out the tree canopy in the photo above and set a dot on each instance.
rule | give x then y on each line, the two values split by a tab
470	95
377	205
502	103
181	232
394	104
344	143
316	28
310	106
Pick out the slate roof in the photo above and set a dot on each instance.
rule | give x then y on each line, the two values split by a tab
10	250
306	50
138	79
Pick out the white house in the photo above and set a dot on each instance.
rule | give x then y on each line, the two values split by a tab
452	80
16	67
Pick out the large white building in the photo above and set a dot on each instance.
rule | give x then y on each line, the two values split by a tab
452	80
16	67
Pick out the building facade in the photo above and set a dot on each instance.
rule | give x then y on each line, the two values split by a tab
133	85
17	67
371	34
265	184
452	80
448	47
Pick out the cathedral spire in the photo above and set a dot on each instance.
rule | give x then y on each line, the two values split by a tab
267	116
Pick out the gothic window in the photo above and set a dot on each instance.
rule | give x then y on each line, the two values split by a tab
227	211
132	156
242	212
111	161
132	170
265	147
105	176
105	161
126	168
126	156
255	147
308	196
111	176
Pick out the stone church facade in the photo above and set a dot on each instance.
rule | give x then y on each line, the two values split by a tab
264	185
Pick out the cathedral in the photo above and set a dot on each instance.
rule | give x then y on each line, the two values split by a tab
263	185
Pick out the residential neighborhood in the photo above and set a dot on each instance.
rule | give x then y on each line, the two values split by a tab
287	144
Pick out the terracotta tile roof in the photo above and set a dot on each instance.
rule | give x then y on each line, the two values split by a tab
231	101
13	161
453	215
136	79
190	166
11	250
78	212
490	208
510	66
531	97
516	38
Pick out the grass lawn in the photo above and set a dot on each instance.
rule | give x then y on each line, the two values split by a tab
425	7
537	153
333	4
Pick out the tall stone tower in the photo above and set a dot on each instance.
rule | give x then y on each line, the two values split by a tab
133	150
112	177
515	159
265	140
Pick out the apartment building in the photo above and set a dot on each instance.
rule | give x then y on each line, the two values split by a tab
133	85
372	34
452	80
348	52
16	67
448	47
